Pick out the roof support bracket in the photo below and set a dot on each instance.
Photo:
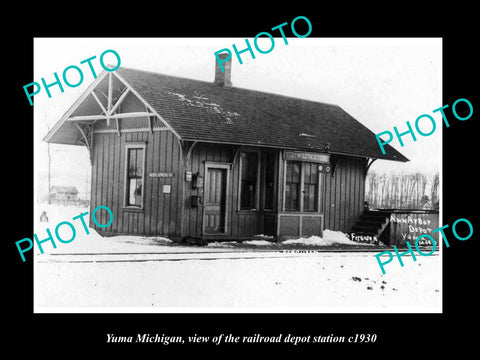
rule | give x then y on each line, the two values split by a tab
369	163
335	159
150	120
119	132
87	139
236	153
187	148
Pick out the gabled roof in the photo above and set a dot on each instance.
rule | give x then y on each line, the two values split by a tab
203	111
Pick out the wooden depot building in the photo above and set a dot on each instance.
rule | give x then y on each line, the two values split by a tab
177	157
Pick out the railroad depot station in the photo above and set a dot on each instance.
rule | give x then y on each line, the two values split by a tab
184	158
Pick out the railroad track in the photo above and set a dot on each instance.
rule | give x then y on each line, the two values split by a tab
196	255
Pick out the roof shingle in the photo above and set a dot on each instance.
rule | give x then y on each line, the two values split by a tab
202	111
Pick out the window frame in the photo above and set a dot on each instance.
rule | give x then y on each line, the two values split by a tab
129	146
299	189
316	189
301	195
258	181
264	179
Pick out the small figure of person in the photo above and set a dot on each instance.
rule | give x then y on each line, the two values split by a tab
44	217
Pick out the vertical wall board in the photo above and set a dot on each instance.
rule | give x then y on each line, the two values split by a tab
337	196
111	181
104	178
120	182
343	213
361	191
332	205
340	197
175	170
280	176
167	209
144	137
115	182
192	211
350	197
201	171
98	180
326	202
349	179
179	181
160	196
234	228
148	183
354	194
101	147
155	156
125	217
354	199
93	183
134	221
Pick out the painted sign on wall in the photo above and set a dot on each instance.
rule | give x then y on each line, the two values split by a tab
305	156
407	226
161	175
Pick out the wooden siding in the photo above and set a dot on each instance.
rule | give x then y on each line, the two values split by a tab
341	196
344	194
161	213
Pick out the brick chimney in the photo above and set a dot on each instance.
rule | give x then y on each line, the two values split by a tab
223	78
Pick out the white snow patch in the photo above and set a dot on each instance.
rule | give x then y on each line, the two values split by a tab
329	238
82	242
201	101
258	242
222	244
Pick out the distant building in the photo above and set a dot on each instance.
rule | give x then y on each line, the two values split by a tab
63	195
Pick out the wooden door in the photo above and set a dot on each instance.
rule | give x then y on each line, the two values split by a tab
215	200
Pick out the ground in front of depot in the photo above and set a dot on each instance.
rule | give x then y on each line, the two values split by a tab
138	273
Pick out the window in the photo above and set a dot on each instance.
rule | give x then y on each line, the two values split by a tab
134	179
269	180
292	185
249	178
301	186
310	181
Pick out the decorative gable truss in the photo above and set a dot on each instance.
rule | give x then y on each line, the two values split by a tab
109	105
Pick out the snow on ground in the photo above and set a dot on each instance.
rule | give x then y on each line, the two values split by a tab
312	282
329	238
153	274
257	242
83	242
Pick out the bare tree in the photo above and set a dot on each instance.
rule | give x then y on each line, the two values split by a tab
405	190
434	186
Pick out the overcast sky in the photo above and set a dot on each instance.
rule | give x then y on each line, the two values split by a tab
381	82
